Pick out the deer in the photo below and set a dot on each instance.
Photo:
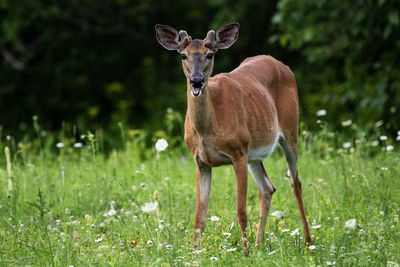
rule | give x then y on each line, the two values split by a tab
237	118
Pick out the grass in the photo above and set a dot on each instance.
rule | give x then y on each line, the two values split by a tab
77	206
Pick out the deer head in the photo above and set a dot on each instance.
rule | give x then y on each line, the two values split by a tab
197	55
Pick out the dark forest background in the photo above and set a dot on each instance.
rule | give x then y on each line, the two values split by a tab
93	64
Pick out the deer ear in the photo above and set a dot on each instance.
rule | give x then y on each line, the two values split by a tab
227	35
167	37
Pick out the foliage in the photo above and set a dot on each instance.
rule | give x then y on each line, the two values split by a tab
75	206
350	52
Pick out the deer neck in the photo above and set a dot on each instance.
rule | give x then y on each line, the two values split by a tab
200	111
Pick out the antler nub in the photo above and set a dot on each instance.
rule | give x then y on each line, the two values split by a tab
184	39
210	40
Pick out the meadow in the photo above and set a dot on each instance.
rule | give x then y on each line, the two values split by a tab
68	203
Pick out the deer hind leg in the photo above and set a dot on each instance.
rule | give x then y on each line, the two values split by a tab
290	151
203	183
265	189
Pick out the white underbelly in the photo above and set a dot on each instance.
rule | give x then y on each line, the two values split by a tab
261	153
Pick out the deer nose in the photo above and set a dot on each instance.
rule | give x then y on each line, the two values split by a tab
197	82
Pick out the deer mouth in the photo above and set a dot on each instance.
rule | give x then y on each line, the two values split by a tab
197	88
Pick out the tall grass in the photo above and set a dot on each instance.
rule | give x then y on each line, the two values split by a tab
71	205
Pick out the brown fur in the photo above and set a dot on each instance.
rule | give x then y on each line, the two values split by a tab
248	108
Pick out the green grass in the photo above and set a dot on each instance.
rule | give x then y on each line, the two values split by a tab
78	207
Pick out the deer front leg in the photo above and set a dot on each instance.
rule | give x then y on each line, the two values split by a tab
240	167
203	183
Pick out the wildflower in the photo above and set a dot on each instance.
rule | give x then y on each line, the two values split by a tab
183	158
383	137
110	213
133	242
149	206
295	232
285	230
330	262
214	219
272	252
321	112
60	145
97	240
382	213
149	243
312	247
231	249
347	123
213	258
398	138
389	148
384	168
374	143
226	234
346	145
161	145
78	145
168	246
87	217
362	231
160	226
396	218
351	224
277	214
316	226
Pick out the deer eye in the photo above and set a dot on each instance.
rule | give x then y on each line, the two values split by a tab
210	55
183	56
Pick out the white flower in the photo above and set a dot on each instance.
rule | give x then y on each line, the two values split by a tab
226	234
277	214
351	224
168	246
97	240
231	249
398	133
60	145
312	247
160	226
285	230
383	137
213	258
87	217
389	148
347	123
272	252
316	226
161	145
382	213
374	143
149	243
149	206
330	262
78	145
346	145
398	138
321	112
384	168
111	212
214	219
295	232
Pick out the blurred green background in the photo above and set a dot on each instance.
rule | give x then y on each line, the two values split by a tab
95	64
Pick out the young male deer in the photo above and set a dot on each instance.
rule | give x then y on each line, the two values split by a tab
236	118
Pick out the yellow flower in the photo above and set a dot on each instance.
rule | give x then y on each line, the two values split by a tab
134	132
133	242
